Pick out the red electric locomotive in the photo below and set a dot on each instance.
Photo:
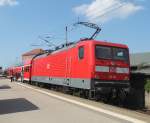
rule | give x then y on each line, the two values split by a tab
96	67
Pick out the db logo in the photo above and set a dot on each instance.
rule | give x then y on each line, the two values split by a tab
112	69
112	63
48	66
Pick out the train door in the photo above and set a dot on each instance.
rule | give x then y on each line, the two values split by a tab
68	67
22	73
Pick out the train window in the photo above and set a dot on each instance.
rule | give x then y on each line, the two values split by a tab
26	69
120	54
81	52
116	53
103	52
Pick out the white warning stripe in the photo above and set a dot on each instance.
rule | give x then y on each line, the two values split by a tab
111	113
102	69
122	70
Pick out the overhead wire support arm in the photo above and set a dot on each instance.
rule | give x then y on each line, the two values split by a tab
48	42
91	25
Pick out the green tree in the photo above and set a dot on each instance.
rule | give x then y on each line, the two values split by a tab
147	86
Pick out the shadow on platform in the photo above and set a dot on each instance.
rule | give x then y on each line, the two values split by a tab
16	105
5	87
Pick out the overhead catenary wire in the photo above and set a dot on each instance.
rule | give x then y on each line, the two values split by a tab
112	9
106	11
48	42
71	27
116	6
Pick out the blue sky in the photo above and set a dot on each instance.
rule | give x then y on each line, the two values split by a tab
22	21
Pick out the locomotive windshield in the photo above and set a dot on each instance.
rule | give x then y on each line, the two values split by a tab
104	52
120	54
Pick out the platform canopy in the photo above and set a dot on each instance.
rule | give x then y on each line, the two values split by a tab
140	62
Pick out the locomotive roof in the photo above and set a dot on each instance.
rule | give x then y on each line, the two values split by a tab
110	44
72	44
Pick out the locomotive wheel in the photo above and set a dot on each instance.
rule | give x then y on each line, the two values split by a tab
117	97
121	97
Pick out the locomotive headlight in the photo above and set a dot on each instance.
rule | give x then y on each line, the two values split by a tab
126	78
101	68
122	70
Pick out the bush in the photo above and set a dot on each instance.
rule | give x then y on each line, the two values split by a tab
147	86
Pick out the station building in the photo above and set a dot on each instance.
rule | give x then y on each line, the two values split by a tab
26	57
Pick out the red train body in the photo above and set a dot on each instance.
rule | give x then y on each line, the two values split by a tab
26	72
15	72
89	65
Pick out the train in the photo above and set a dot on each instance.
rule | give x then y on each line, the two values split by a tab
92	69
14	72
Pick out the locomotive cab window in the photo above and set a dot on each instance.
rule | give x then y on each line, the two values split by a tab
103	52
120	54
115	53
81	52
